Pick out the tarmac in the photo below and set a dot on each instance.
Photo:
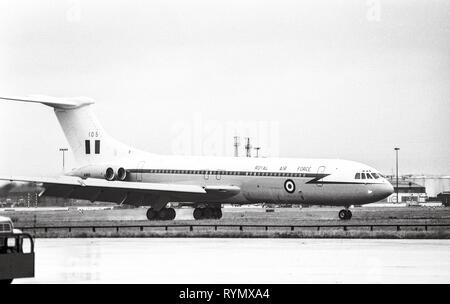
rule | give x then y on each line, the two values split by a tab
193	260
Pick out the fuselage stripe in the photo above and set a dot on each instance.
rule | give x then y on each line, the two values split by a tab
316	177
223	172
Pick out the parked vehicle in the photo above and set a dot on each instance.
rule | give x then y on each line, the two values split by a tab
16	253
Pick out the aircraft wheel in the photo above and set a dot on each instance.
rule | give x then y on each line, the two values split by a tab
164	214
217	213
208	213
172	214
349	214
343	214
152	214
198	213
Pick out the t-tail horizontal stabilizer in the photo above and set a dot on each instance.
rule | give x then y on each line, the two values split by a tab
54	102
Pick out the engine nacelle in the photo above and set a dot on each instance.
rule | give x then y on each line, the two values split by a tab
109	173
122	174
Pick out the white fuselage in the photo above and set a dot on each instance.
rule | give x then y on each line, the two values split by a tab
261	180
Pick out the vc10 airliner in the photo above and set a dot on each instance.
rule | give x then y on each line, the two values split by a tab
110	171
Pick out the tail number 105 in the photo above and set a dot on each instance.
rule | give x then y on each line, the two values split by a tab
93	134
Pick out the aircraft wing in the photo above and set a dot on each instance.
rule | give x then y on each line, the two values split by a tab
133	193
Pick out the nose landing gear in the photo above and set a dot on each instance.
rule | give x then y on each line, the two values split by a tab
345	214
165	214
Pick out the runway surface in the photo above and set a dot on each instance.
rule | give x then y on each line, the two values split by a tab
168	260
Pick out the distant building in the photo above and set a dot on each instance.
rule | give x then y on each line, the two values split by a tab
433	184
408	192
444	197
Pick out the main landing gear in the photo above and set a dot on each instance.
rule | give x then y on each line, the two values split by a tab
165	214
345	214
207	213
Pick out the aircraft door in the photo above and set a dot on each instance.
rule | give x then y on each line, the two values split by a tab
218	175
321	170
140	167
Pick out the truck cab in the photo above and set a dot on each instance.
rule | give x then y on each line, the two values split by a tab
16	253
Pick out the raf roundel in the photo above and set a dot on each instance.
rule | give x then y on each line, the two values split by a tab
289	186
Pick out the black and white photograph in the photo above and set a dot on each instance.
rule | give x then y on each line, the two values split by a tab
235	145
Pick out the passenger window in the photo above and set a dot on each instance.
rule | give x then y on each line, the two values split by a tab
358	176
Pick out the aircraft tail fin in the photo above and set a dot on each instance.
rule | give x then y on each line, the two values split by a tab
87	139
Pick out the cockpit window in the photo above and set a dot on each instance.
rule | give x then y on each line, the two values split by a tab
367	174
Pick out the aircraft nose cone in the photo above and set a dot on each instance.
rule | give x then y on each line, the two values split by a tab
381	191
385	190
390	189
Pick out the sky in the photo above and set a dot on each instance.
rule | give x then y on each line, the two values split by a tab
310	79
